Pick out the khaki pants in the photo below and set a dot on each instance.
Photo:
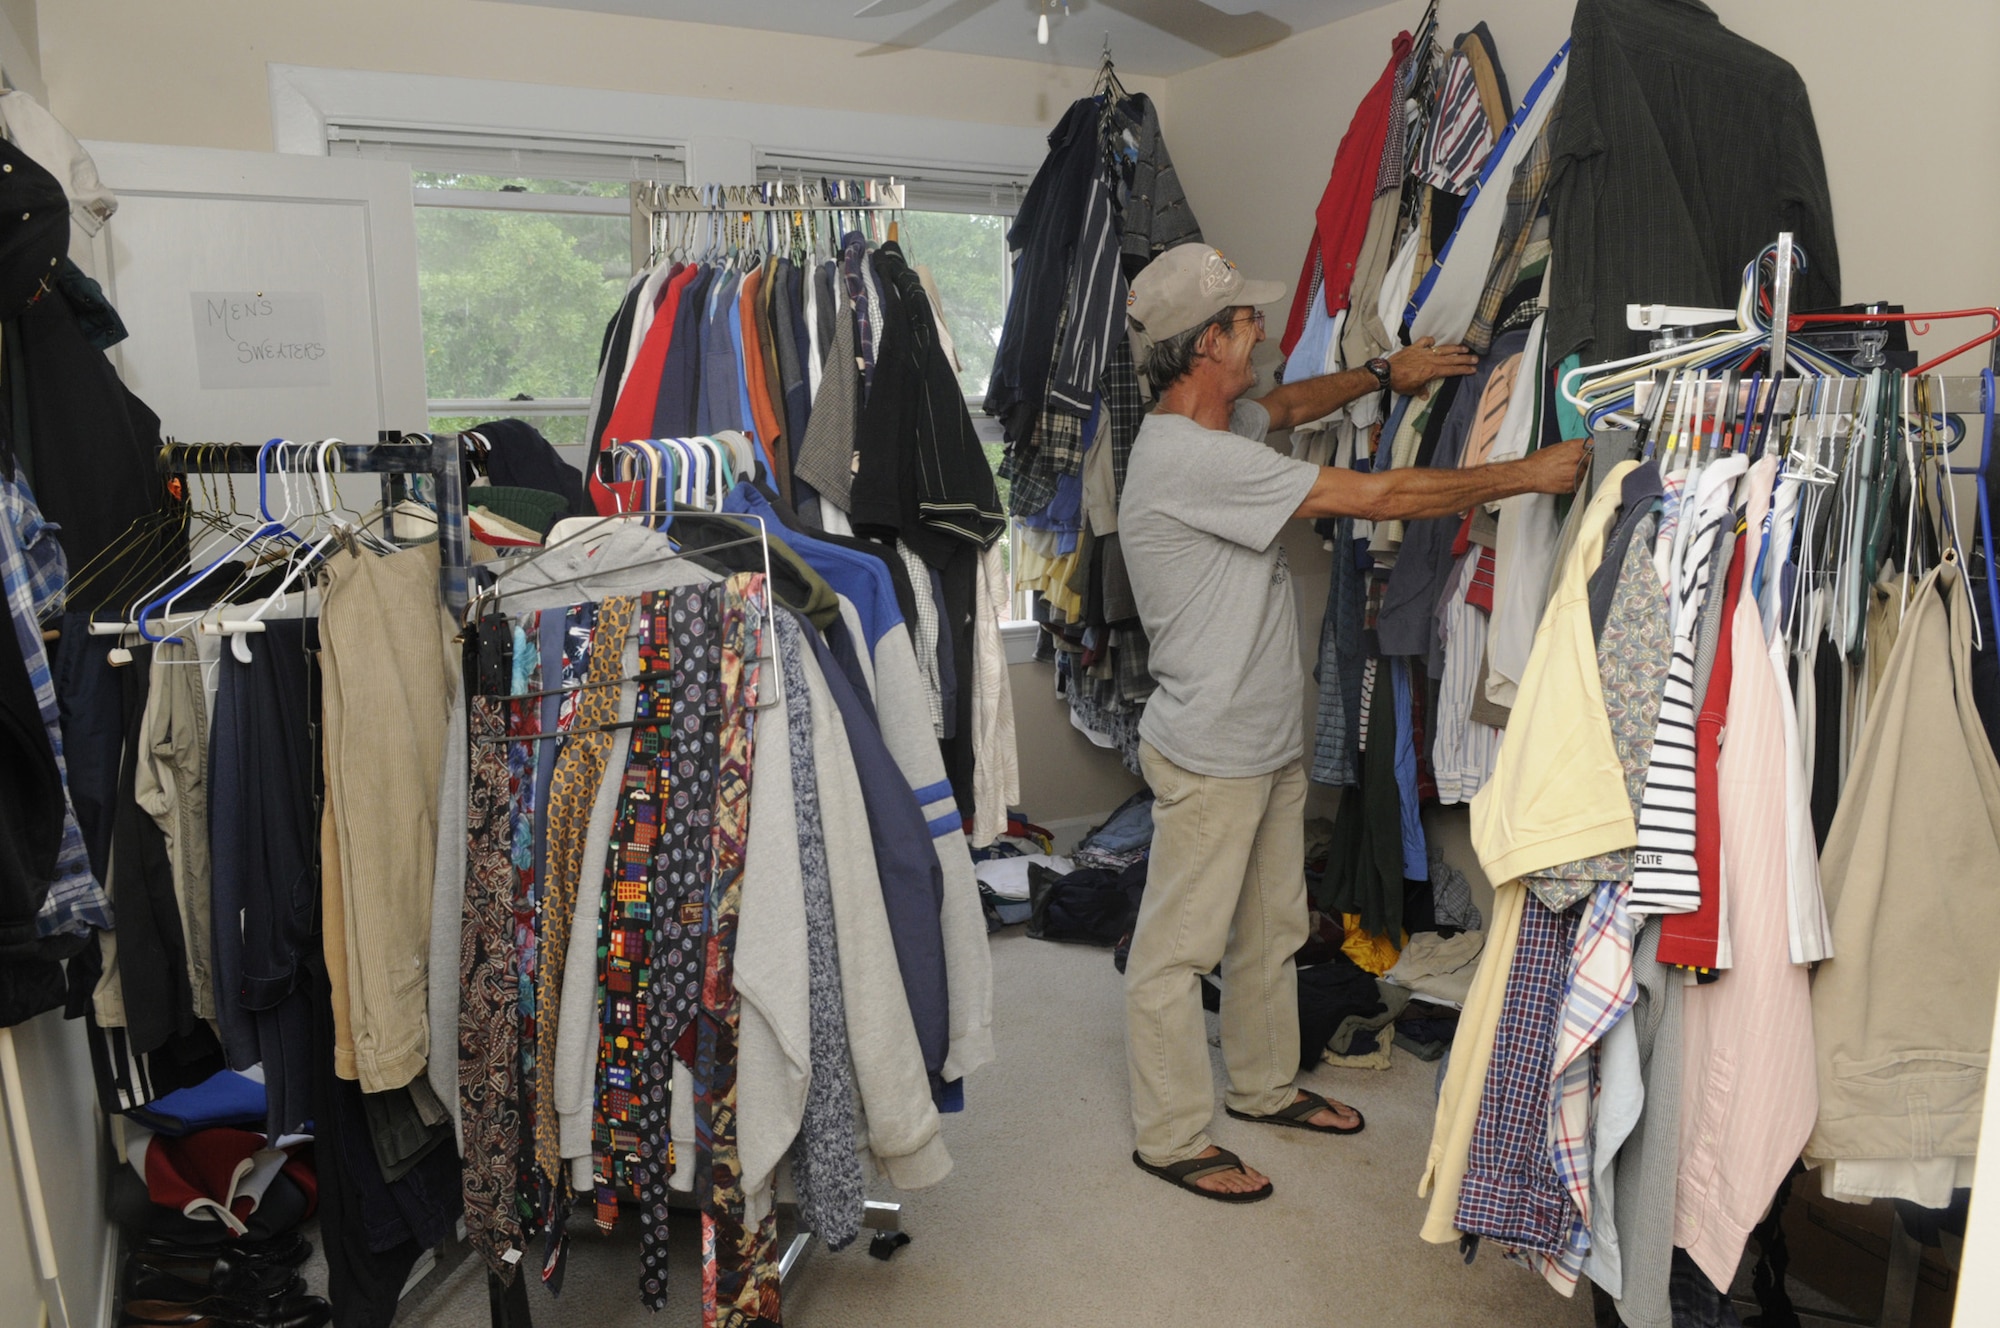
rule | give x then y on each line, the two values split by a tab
390	674
1226	882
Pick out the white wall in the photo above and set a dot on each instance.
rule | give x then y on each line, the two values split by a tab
1063	775
20	52
194	71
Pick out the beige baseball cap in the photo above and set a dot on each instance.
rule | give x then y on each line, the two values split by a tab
1188	285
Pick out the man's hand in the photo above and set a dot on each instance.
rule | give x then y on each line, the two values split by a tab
1561	468
1413	366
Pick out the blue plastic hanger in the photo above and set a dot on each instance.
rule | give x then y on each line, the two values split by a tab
272	527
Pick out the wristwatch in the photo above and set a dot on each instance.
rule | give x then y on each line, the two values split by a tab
1380	368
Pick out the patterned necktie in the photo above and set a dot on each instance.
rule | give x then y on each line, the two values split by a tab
826	1161
685	857
523	721
488	1022
739	1264
624	948
572	789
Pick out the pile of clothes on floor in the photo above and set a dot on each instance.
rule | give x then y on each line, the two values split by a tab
211	1207
1090	897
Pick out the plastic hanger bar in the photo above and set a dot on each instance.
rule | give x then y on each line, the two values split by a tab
1919	324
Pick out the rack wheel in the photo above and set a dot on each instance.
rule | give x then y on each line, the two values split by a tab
886	1243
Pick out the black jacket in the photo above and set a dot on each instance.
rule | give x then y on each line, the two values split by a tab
1043	238
1680	151
922	473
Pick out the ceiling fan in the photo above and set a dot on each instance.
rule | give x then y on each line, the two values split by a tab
1222	28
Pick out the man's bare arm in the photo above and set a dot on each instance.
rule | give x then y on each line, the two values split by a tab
1414	493
1409	369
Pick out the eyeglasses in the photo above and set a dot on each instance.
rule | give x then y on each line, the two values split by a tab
1256	321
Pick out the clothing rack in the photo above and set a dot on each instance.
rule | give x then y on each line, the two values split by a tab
651	201
509	1306
395	455
771	196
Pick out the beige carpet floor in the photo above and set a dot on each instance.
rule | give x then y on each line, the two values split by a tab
1045	1223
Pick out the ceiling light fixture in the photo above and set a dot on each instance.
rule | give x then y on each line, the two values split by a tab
1042	8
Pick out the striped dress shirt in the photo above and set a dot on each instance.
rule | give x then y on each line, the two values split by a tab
1451	154
1096	303
1664	877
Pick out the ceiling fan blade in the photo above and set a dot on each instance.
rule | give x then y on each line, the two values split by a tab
888	8
930	28
1217	31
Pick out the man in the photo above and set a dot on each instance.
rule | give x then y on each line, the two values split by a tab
1223	739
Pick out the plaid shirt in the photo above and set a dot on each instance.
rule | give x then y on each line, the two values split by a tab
1601	991
1511	1192
1525	196
33	572
1395	146
1057	450
1125	409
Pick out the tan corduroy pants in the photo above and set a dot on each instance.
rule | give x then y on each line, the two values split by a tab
1225	883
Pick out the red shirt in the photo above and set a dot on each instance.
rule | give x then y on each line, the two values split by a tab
1689	940
1341	220
632	417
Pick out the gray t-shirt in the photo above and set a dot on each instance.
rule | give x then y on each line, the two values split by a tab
1199	522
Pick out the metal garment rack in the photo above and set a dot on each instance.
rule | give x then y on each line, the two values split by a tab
739	203
508	1305
395	455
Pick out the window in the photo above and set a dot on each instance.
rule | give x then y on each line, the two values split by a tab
524	250
516	295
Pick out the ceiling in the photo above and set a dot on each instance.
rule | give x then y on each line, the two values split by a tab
1156	37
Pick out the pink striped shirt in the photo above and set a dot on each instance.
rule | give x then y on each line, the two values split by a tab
1748	1092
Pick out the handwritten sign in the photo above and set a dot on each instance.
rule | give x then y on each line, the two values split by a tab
261	339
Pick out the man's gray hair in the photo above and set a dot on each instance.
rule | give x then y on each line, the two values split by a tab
1169	359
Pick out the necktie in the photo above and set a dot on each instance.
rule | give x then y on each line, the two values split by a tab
572	788
488	1022
739	1265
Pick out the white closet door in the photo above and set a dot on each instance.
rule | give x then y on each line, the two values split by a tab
267	295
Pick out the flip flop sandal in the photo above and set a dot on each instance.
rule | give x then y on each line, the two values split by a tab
1185	1174
1299	1115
